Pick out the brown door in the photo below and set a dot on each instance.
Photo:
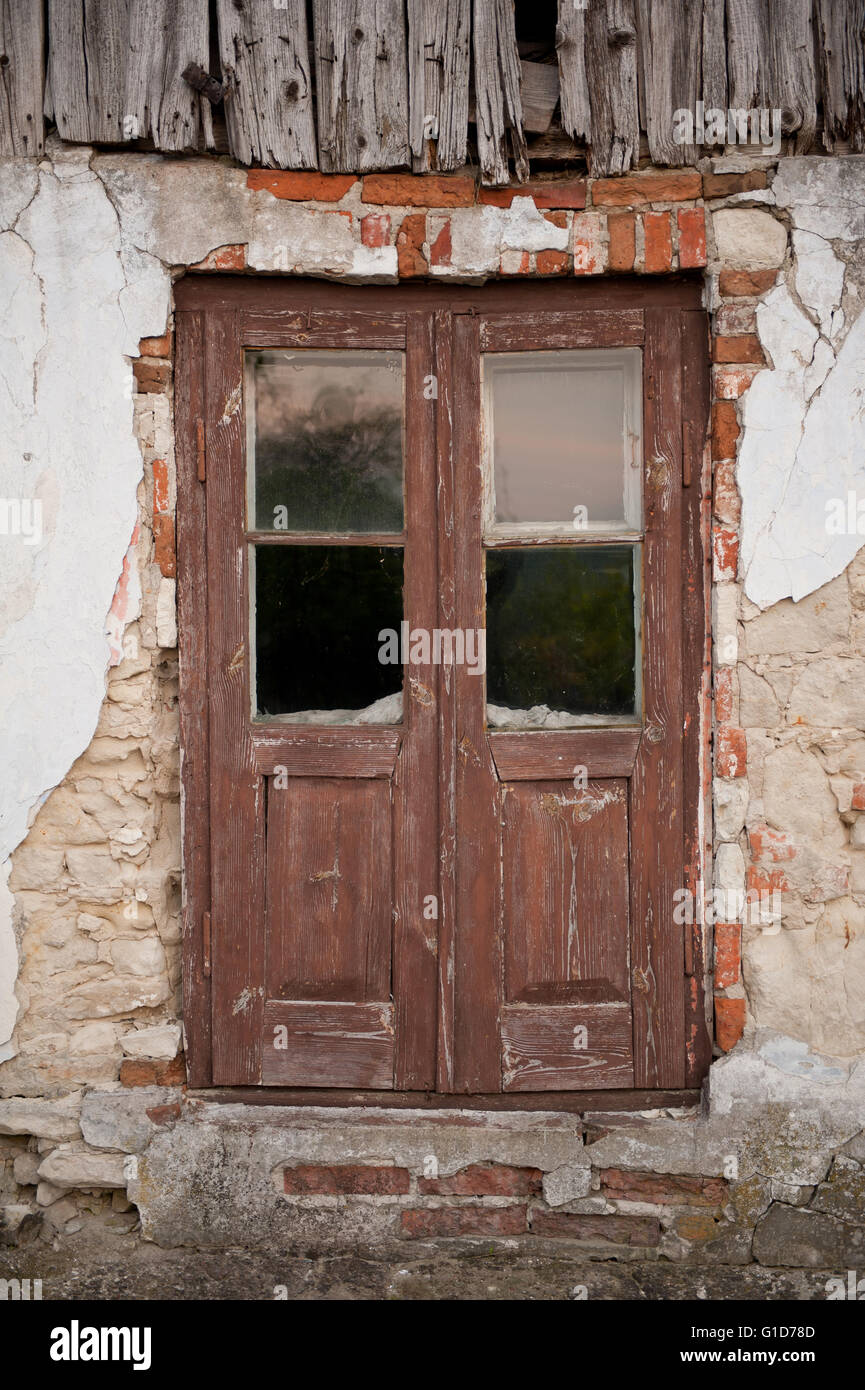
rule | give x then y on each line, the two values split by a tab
446	775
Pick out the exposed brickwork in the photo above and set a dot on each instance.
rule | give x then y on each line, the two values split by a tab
375	229
726	502
359	1179
589	250
140	1072
163	545
552	263
555	194
622	227
729	1021
731	751
725	554
666	1189
611	1230
724	693
420	1223
409	245
725	185
633	189
302	186
692	237
658	242
151	376
730	383
419	190
441	249
746	282
725	430
484	1180
744	349
728	954
156	347
224	258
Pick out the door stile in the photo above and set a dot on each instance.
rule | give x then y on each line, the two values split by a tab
237	788
415	787
657	831
478	953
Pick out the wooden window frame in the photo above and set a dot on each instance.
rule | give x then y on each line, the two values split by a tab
277	310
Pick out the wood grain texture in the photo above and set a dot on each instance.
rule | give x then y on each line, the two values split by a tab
576	114
714	62
840	27
439	51
565	901
317	752
543	1048
545	755
794	75
656	786
500	332
749	53
556	1104
264	52
361	84
329	889
611	69
539	95
370	329
165	37
22	38
498	107
189	406
671	36
339	1044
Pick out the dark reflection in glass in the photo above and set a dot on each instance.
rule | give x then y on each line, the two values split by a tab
560	629
319	610
328	441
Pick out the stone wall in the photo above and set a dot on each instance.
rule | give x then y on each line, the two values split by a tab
89	247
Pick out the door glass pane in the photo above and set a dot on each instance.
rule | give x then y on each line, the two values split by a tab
319	610
564	433
325	441
561	636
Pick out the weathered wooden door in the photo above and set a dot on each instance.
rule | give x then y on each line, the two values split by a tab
437	721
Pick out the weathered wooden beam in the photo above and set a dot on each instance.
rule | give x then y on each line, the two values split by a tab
794	77
22	129
611	69
166	37
714	91
439	46
571	48
498	107
539	93
264	51
362	88
749	54
671	36
841	42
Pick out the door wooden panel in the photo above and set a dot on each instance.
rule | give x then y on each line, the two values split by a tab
434	905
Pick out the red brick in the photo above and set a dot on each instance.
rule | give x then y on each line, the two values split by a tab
552	262
731	751
725	430
362	1179
151	376
725	553
729	1021
659	242
163	544
623	238
589	249
629	190
419	1223
692	238
732	382
419	190
558	219
858	802
440	249
163	1114
664	1188
759	880
743	349
728	954
409	246
140	1072
734	317
484	1180
726	502
725	185
375	229
302	186
156	347
615	1230
724	693
160	485
224	258
770	846
570	193
737	283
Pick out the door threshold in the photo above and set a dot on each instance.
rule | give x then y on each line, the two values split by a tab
573	1102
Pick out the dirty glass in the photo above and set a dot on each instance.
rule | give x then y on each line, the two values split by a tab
561	634
325	441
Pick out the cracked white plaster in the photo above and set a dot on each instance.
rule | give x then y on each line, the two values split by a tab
479	236
803	422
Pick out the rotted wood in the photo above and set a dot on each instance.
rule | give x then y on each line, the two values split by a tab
439	50
671	33
264	52
22	129
165	39
498	107
611	69
794	77
539	94
361	84
571	48
841	41
714	93
749	54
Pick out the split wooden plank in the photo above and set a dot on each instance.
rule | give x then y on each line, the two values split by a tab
842	69
571	48
498	105
439	48
611	68
670	53
362	88
264	53
165	38
539	93
749	49
22	130
714	55
794	78
87	64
